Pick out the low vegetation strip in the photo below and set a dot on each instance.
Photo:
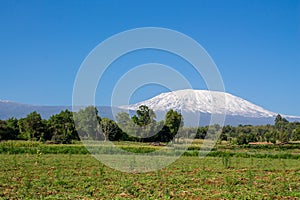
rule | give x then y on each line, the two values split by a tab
74	176
13	147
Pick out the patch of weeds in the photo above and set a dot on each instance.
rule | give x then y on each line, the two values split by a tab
226	160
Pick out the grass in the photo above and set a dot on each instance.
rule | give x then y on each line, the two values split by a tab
83	177
42	171
21	147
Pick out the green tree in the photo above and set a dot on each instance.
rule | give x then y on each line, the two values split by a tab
201	132
87	123
4	131
242	139
123	119
163	135
145	119
226	132
9	129
296	133
280	122
251	138
283	129
62	127
32	126
127	125
111	130
173	120
144	116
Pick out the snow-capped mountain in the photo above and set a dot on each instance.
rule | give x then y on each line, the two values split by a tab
206	103
195	104
203	101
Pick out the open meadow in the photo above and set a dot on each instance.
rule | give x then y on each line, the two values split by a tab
32	170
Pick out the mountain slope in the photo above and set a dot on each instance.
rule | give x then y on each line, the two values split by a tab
205	103
193	103
10	109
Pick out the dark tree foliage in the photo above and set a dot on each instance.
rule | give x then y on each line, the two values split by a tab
7	132
111	130
144	123
242	139
283	128
164	135
144	116
173	120
9	129
201	132
87	123
142	127
32	127
62	128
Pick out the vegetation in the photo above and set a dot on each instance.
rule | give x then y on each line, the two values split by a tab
74	176
32	167
66	127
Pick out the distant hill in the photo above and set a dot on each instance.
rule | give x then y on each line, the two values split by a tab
193	103
204	103
12	109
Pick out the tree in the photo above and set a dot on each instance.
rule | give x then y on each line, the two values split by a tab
87	123
9	129
164	135
123	119
242	139
282	126
226	132
4	131
144	116
213	132
201	132
111	130
173	120
280	122
62	127
127	125
145	119
251	138
32	126
296	133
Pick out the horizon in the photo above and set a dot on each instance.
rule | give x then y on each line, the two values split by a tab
131	104
255	45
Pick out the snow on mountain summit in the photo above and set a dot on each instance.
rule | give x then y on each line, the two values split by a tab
204	101
4	101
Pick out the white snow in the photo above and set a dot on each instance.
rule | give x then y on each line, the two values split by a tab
4	101
204	101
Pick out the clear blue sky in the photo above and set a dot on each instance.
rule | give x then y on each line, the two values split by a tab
255	44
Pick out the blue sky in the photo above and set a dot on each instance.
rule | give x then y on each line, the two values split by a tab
255	44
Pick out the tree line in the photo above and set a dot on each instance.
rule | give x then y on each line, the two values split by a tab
68	126
282	131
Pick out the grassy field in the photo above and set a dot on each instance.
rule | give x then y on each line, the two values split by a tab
32	170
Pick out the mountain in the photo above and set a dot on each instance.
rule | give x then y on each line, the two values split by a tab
204	103
194	104
12	109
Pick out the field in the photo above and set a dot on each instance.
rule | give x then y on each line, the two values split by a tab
31	170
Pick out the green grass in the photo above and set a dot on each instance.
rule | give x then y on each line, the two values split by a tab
64	176
21	147
32	170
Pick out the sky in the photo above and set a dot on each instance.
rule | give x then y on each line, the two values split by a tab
255	45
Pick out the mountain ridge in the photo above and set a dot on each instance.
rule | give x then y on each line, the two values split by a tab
206	103
195	102
213	102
